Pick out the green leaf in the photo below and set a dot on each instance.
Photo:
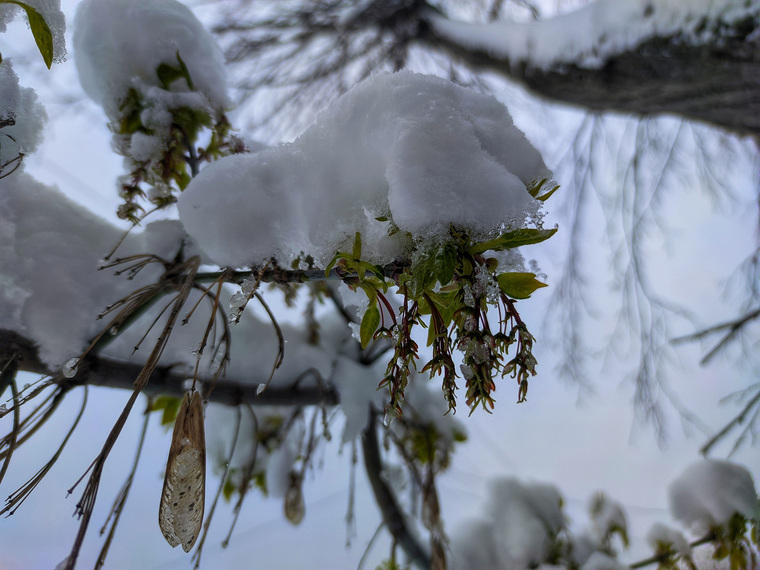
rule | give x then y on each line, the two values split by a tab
228	489
40	30
518	285
535	186
423	275
170	406
545	197
168	73
370	291
445	263
370	322
513	239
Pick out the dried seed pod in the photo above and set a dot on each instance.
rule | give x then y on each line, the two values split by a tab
182	501
295	508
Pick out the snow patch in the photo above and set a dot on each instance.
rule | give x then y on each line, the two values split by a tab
415	151
20	105
710	492
120	43
588	37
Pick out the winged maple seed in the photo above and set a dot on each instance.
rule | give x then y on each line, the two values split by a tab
182	501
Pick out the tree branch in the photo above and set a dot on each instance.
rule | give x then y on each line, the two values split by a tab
393	517
97	371
717	82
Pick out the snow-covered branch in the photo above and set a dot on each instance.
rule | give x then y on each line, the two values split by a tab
616	55
98	371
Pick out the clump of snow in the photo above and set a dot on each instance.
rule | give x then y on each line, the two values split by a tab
120	43
50	10
51	288
20	105
710	492
589	36
416	151
523	519
52	292
662	535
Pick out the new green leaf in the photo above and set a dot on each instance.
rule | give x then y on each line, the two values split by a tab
40	30
369	325
513	239
518	285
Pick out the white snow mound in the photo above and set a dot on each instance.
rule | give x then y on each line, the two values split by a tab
416	150
710	492
120	43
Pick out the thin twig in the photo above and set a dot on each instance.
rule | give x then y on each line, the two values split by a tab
121	498
738	420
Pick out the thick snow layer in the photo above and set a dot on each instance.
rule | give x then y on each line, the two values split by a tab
120	43
418	150
50	10
522	519
710	492
590	35
52	290
21	105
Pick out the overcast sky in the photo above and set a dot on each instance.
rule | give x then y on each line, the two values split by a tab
582	444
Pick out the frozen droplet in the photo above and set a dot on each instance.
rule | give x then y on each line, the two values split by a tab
238	301
70	368
260	388
249	285
187	384
390	414
3	410
113	331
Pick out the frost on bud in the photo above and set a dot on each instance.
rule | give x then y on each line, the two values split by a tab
71	367
295	508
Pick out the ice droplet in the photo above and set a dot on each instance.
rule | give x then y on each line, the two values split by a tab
113	331
238	301
260	388
3	410
70	368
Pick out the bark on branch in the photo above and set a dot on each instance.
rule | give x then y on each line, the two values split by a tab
393	516
97	371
